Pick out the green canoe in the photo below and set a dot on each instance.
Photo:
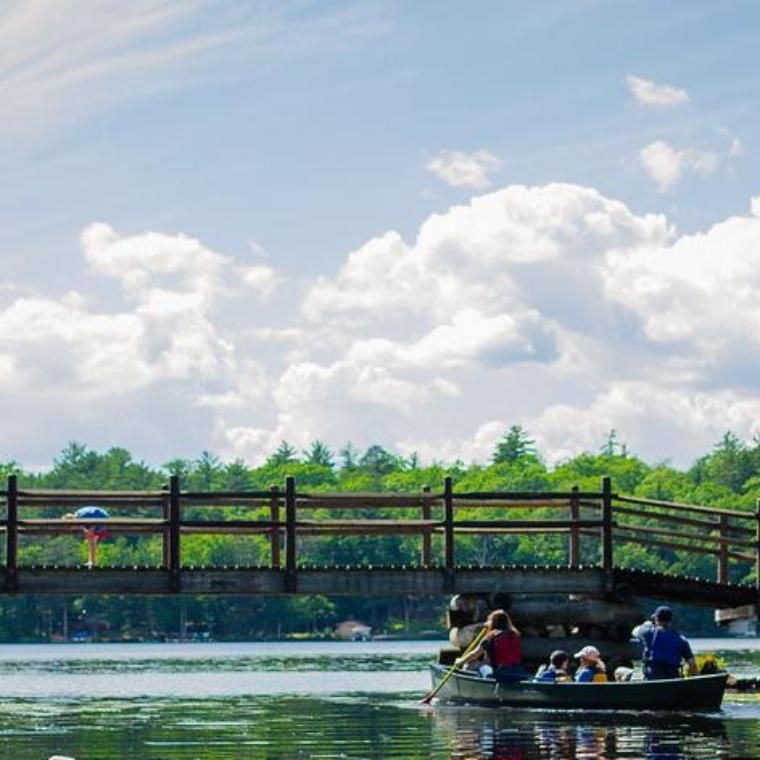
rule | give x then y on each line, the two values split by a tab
699	693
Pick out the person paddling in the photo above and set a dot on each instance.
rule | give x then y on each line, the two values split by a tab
93	534
664	648
502	648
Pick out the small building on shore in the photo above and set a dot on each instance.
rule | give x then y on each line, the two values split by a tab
353	630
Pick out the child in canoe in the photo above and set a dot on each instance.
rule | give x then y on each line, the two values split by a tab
557	669
592	669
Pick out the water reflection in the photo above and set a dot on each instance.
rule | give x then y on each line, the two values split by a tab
481	734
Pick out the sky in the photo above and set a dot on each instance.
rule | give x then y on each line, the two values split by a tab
228	223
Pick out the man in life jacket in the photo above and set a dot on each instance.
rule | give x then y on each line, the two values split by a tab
501	647
664	647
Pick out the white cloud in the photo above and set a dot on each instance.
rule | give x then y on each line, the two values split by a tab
554	307
665	165
262	279
460	169
661	422
470	337
480	256
700	290
8	371
145	262
164	331
650	93
476	448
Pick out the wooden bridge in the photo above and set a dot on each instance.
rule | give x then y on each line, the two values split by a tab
591	527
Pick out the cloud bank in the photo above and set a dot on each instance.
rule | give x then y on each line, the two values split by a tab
554	307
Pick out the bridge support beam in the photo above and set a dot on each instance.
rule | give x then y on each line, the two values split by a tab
449	582
606	538
291	569
11	536
742	621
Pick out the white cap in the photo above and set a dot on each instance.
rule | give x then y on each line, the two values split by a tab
589	652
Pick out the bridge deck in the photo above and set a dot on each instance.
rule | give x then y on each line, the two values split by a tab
380	581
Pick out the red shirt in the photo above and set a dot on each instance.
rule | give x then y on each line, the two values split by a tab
504	649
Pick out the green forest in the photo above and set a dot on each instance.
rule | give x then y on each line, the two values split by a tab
726	476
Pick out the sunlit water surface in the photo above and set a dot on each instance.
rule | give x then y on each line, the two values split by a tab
319	700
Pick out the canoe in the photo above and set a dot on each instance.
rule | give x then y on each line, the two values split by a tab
698	693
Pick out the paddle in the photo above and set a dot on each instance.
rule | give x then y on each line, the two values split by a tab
429	696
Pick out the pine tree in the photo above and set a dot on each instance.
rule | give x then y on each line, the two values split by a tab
515	445
285	454
320	454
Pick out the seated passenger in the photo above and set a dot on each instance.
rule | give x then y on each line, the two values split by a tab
591	669
623	673
502	648
557	669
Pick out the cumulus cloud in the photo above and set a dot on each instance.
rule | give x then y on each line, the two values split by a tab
477	447
164	330
650	93
562	279
662	421
698	294
262	280
665	164
471	336
482	255
554	307
461	169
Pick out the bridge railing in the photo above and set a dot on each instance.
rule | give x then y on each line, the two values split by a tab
732	537
594	524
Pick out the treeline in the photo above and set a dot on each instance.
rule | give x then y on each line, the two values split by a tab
727	476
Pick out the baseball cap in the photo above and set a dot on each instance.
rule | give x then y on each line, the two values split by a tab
589	652
663	614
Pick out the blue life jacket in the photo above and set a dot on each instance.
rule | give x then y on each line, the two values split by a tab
550	674
665	647
587	672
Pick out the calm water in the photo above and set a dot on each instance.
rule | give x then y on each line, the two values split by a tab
317	700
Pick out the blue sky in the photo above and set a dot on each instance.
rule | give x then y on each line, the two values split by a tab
228	223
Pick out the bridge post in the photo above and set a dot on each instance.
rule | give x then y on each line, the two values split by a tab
11	535
165	559
448	536
723	547
290	535
574	541
757	555
427	544
174	533
274	536
606	536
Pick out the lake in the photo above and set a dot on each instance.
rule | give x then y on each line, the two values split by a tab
347	701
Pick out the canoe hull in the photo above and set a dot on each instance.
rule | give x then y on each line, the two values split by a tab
699	693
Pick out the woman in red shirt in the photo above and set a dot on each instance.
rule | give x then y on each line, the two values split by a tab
502	649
